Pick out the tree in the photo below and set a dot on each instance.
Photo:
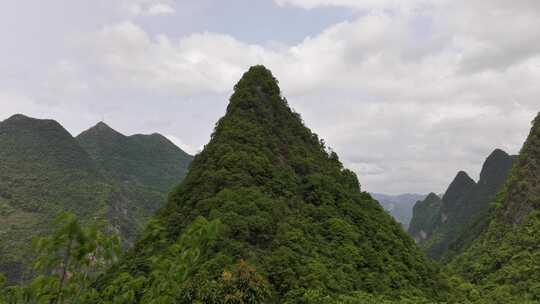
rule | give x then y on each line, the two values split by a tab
68	261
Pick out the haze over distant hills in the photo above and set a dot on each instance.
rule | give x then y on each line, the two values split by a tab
400	206
101	174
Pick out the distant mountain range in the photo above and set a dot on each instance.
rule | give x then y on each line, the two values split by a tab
400	206
100	174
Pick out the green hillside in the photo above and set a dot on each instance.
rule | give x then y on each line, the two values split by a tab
144	167
294	221
44	170
504	261
149	161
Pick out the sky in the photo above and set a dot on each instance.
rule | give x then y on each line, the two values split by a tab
407	92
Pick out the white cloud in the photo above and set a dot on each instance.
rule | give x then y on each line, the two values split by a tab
407	92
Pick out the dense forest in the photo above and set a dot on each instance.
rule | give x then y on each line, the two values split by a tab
267	213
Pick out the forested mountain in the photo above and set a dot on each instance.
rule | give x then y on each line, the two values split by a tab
400	206
426	217
294	225
143	167
446	228
149	161
43	171
504	261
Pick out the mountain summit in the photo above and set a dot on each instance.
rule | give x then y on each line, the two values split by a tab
149	161
43	170
506	254
463	210
289	211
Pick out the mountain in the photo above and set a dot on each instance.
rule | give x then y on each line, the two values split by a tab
144	167
149	161
400	206
295	226
463	210
426	216
504	259
44	170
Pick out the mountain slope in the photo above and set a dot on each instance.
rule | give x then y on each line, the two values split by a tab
144	167
400	206
464	208
426	218
504	259
288	208
42	170
150	161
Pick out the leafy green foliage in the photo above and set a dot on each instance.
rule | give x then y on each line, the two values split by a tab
288	208
68	262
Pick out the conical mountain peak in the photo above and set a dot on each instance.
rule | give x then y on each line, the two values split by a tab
459	187
494	170
257	91
281	198
102	126
259	78
432	197
101	130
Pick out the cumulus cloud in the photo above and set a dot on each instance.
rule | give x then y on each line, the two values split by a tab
407	92
205	62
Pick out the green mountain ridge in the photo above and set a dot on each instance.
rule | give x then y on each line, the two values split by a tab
463	209
150	161
287	208
504	259
43	171
144	167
